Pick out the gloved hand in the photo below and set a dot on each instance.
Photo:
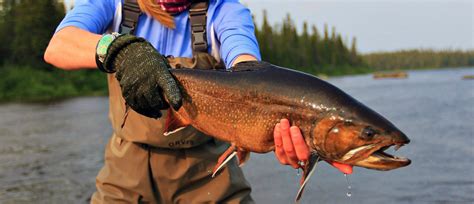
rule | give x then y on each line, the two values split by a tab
144	76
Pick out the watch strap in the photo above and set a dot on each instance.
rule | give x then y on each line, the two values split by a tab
102	50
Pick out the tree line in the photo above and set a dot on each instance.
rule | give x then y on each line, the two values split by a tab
416	59
327	53
308	51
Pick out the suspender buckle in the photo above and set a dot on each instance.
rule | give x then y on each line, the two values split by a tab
125	30
197	18
130	14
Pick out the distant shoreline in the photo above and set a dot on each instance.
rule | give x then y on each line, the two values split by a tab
419	59
27	84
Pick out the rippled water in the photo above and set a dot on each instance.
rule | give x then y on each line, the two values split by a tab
50	153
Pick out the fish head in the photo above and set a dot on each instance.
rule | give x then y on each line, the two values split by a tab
358	139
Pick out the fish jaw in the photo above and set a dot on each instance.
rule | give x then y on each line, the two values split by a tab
372	156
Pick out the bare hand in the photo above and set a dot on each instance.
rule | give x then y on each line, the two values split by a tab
290	147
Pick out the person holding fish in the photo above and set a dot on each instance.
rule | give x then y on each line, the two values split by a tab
144	162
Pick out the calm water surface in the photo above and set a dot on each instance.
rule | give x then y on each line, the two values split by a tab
50	153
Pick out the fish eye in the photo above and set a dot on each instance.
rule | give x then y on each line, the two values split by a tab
368	133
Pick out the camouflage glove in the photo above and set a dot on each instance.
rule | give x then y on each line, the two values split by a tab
143	74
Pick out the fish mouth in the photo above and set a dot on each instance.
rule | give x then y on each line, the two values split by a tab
373	156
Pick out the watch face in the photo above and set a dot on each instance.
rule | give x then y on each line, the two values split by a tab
104	43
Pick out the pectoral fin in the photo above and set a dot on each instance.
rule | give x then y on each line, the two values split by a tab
173	123
308	171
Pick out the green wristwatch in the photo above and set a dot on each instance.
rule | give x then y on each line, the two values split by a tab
101	50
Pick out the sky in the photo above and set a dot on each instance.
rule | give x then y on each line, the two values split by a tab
381	25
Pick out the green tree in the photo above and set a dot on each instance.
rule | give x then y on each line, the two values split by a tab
353	53
283	45
6	24
27	27
314	41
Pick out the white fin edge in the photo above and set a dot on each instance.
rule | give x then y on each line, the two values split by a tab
224	163
300	191
166	134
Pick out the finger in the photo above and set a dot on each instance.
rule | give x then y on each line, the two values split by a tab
279	152
169	85
301	149
144	107
171	91
155	98
287	143
156	104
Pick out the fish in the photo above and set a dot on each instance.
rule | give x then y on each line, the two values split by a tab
242	105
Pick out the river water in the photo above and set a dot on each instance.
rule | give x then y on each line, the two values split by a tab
50	153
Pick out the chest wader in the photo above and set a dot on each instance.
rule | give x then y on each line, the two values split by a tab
142	165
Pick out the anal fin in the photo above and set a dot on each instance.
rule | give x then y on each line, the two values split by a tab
224	159
230	153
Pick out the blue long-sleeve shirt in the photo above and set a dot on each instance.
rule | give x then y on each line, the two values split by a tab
228	21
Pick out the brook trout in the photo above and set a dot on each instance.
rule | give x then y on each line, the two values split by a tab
242	107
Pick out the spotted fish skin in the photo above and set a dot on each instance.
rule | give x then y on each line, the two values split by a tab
242	107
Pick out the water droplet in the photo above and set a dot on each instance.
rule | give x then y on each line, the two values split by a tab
349	187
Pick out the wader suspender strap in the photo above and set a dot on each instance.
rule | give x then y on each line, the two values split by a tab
197	18
130	14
